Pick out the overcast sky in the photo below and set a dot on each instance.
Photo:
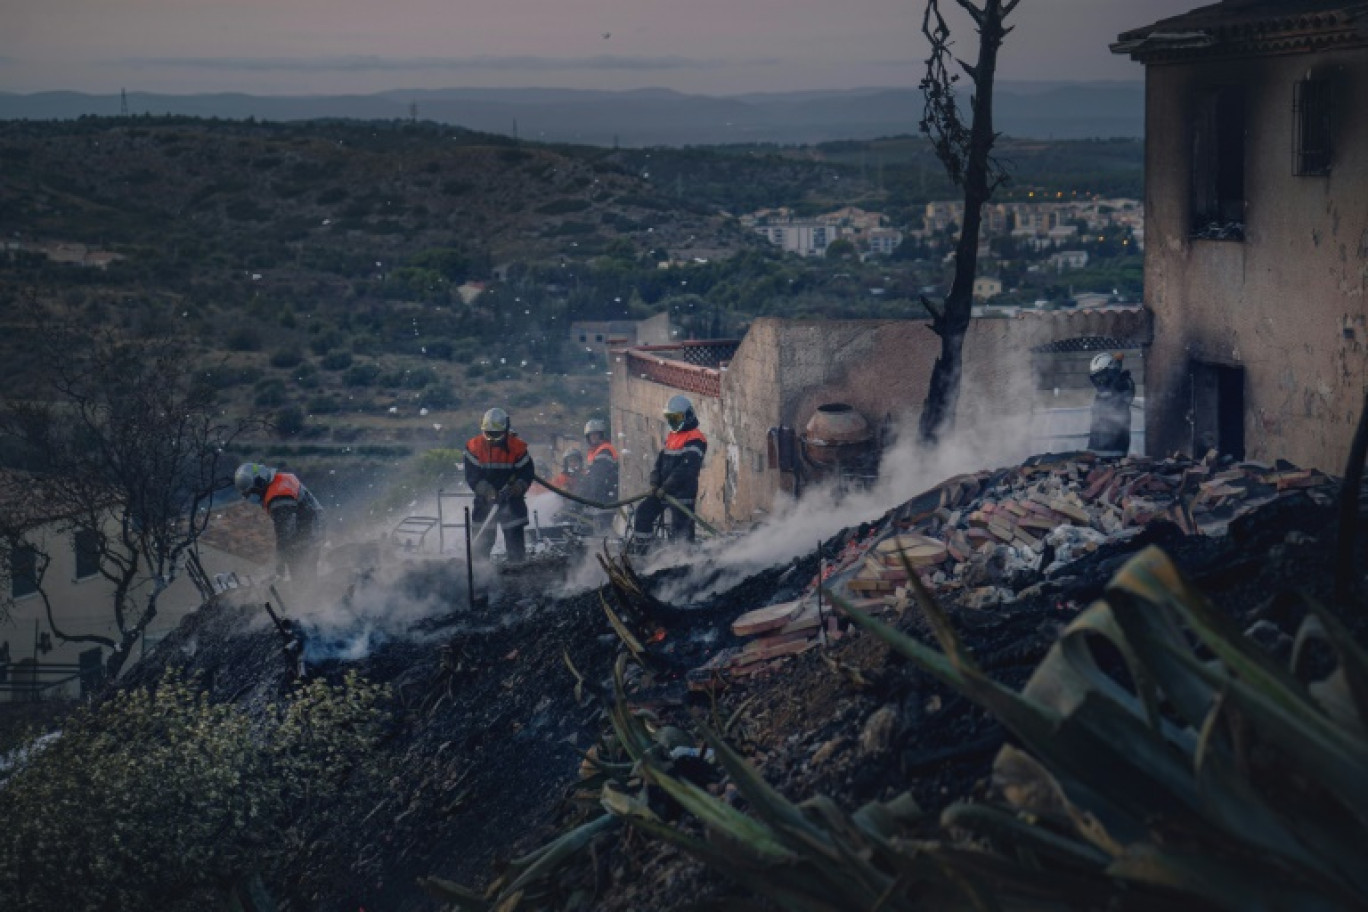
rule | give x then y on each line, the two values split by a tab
714	47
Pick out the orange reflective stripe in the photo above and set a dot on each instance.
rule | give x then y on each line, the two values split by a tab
604	449
283	485
487	456
679	441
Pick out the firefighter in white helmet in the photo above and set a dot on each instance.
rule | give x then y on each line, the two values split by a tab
676	472
499	469
295	513
601	476
1109	432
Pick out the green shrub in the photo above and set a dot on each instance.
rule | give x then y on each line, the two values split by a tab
287	357
324	405
244	338
270	392
289	421
331	195
563	206
160	799
337	360
363	374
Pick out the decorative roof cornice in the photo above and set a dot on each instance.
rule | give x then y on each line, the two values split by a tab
1247	28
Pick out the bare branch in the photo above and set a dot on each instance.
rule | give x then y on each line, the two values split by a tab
976	13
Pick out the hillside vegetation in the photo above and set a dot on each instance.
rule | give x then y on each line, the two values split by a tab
319	265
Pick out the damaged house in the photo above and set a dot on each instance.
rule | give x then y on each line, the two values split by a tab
797	402
1256	166
55	597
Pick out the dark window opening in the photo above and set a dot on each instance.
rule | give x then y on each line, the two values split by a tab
91	665
87	553
1218	161
1217	410
23	571
1312	128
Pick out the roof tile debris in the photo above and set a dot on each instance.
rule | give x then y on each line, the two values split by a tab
989	538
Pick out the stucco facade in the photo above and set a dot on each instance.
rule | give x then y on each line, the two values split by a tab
1259	323
83	604
784	369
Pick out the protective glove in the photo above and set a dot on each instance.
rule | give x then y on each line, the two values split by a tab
653	479
484	490
517	487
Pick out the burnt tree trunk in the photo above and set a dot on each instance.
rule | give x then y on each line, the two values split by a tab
975	169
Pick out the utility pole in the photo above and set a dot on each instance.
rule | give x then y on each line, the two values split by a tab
123	102
413	112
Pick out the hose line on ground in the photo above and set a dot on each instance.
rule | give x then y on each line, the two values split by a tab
626	502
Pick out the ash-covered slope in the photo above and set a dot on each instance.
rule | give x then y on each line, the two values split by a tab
489	725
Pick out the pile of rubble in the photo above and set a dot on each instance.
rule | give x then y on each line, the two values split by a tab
990	538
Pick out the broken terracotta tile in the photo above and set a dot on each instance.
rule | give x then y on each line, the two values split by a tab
768	618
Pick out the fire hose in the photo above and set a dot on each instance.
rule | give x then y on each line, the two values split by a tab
669	499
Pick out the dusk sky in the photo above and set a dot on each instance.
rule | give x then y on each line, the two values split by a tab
714	47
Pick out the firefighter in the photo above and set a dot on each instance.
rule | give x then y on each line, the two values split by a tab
676	474
601	480
295	512
1109	432
571	476
498	468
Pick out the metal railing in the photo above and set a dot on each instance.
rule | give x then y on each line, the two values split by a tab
27	681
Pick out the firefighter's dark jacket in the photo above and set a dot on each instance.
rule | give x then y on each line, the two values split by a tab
497	461
677	467
601	479
1109	430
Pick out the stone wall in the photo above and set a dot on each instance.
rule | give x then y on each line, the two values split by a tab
784	369
1285	306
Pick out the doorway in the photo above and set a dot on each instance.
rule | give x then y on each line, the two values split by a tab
1217	409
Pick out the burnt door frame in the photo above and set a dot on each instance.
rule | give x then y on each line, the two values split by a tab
1217	408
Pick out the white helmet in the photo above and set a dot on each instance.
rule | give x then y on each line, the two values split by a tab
596	426
252	478
495	423
678	411
1103	362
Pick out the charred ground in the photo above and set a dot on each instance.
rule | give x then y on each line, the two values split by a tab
489	725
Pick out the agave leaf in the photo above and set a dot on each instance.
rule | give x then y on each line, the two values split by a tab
720	816
855	850
632	643
794	886
1253	824
621	803
765	799
1353	660
1332	756
464	899
1140	607
1240	887
551	856
1151	575
995	823
631	733
1069	673
950	644
883	819
1041	728
1027	784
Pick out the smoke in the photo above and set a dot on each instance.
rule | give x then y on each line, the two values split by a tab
979	441
401	582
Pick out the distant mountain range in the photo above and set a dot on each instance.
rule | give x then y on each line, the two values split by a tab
644	117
